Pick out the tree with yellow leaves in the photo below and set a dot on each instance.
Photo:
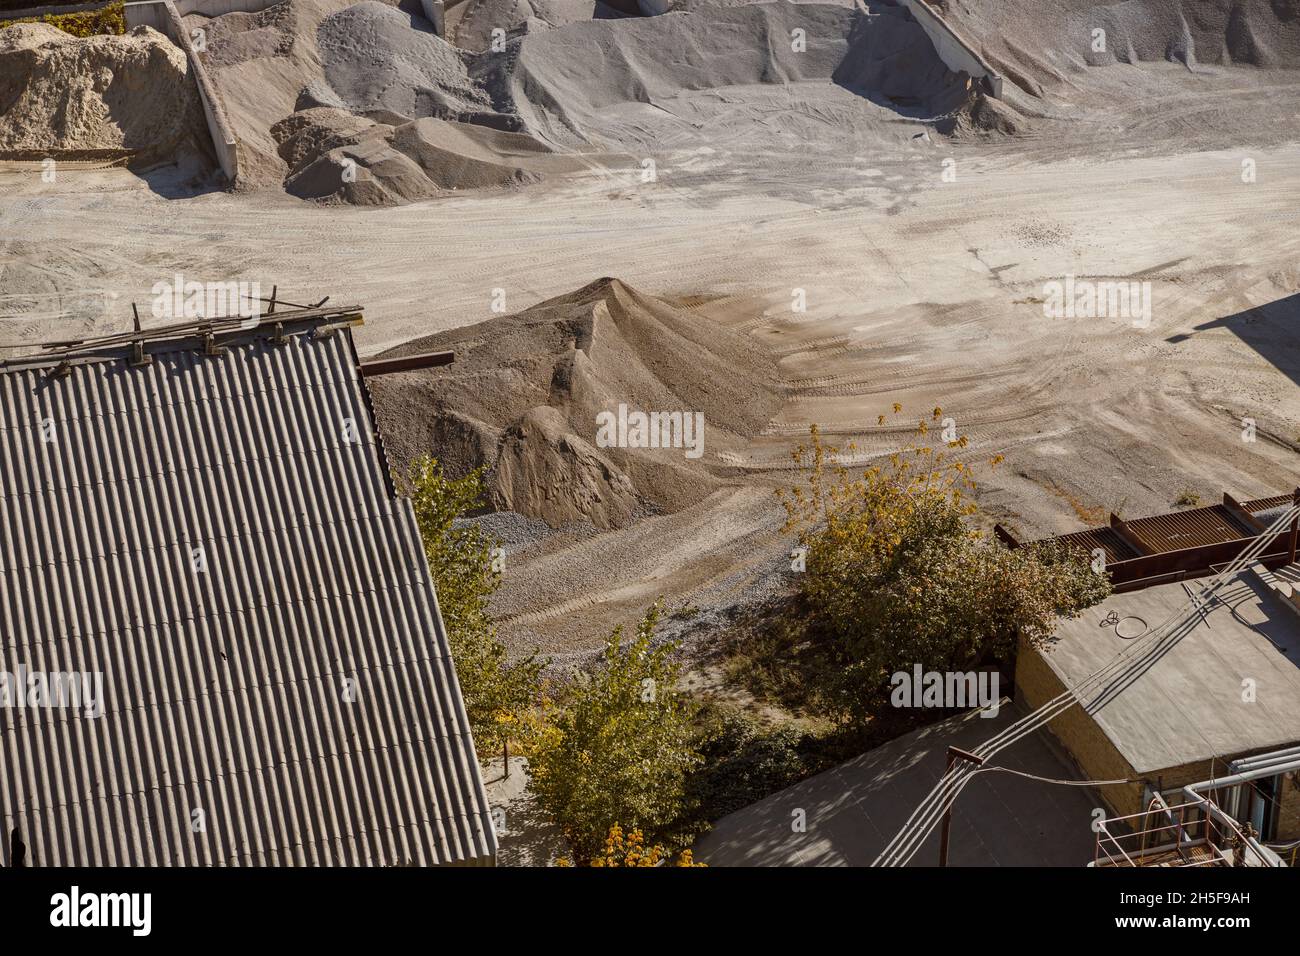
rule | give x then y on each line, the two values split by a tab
895	575
500	695
620	745
630	850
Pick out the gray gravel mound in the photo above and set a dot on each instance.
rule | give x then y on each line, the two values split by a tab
577	85
1040	44
375	57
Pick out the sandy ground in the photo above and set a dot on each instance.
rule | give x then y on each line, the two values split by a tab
918	290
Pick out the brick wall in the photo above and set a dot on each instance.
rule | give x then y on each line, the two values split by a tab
1288	818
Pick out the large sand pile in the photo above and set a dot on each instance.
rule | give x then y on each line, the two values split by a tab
524	394
360	103
574	75
376	58
635	83
63	93
261	63
1041	44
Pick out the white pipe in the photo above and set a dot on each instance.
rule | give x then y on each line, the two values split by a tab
1270	765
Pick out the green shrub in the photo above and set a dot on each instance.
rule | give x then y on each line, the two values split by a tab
499	696
895	576
743	761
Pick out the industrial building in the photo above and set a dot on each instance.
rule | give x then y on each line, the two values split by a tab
1199	738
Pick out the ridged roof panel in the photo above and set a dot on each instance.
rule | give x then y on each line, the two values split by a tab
215	534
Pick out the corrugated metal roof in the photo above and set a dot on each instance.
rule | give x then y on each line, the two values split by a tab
1267	510
226	690
1115	547
1188	529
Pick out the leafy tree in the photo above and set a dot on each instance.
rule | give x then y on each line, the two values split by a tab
619	751
895	576
499	696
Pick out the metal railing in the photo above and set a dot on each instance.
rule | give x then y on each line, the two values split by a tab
1190	826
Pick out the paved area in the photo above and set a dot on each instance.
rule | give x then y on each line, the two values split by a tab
525	837
852	811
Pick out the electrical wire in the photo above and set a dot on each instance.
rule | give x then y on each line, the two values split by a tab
1063	783
1123	668
940	799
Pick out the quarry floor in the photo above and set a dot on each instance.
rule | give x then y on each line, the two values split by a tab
918	290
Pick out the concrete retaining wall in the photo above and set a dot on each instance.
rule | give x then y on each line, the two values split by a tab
217	8
149	13
165	17
957	54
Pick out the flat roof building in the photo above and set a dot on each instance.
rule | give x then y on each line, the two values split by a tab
1227	688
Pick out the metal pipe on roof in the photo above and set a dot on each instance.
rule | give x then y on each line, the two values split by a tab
1273	764
1266	760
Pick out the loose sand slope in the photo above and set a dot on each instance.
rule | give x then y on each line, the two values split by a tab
1044	44
629	83
524	395
470	24
63	93
361	103
337	155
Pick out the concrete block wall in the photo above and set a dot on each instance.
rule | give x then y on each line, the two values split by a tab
149	14
956	52
217	8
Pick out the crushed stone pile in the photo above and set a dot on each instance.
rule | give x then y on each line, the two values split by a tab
361	103
576	76
64	93
618	82
1042	44
470	25
374	59
523	395
333	154
261	64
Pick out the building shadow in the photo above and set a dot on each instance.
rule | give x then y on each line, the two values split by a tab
1272	330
